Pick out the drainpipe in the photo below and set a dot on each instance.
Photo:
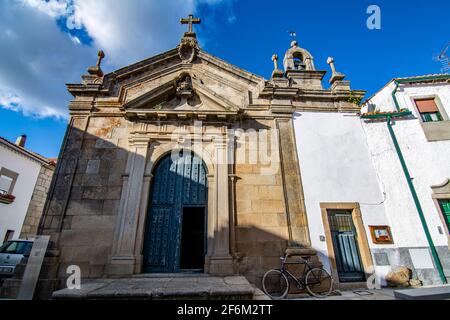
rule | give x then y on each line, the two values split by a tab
394	97
416	200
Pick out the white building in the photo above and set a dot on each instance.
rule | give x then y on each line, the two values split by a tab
24	181
361	212
423	141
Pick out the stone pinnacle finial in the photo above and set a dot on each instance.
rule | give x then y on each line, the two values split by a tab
277	73
330	61
97	70
335	76
101	56
275	61
294	43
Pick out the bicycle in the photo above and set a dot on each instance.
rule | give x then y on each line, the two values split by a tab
317	281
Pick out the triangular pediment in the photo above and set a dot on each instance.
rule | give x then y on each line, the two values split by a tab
155	85
185	93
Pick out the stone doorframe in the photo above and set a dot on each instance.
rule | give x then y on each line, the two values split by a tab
363	243
145	150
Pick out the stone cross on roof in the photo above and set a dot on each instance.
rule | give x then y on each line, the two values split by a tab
190	21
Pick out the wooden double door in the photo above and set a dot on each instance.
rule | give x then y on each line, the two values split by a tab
175	239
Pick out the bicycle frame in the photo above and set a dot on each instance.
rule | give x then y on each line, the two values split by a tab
300	281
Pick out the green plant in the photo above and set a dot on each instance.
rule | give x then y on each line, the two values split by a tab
354	99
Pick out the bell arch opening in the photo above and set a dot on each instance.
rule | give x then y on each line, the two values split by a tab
175	237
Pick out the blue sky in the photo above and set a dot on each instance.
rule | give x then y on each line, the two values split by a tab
47	43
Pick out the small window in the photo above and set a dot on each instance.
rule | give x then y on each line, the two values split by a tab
8	236
429	111
445	207
8	180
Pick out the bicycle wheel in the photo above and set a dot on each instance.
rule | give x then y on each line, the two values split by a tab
318	282
275	284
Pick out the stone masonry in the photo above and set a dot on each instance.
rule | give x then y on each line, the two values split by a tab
36	206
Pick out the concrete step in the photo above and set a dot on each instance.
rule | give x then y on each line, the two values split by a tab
167	287
426	293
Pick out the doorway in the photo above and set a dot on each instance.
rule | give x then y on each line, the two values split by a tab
345	244
175	237
193	240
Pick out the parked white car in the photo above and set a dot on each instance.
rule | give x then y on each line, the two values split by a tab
11	253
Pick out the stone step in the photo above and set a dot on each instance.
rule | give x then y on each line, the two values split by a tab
168	287
170	275
427	293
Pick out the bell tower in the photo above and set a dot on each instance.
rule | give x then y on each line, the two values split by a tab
300	70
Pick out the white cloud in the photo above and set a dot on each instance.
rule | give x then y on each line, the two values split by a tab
53	8
37	58
132	30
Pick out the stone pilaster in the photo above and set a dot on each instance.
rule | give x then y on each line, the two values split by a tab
221	262
292	185
125	258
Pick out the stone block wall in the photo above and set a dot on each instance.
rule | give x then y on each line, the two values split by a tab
36	206
260	214
87	193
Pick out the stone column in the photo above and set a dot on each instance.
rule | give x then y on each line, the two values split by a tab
123	257
221	262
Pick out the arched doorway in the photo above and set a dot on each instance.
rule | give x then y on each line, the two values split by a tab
175	237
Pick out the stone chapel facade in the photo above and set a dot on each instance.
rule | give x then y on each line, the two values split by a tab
120	192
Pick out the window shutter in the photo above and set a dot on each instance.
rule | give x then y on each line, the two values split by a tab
5	183
427	106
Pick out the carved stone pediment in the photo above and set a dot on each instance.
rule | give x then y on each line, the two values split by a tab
185	95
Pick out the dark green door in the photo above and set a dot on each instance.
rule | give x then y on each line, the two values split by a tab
344	237
445	207
179	187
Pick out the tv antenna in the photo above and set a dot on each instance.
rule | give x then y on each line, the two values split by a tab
444	58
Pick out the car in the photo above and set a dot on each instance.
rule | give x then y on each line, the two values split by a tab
11	254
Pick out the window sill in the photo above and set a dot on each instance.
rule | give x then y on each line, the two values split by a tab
436	131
